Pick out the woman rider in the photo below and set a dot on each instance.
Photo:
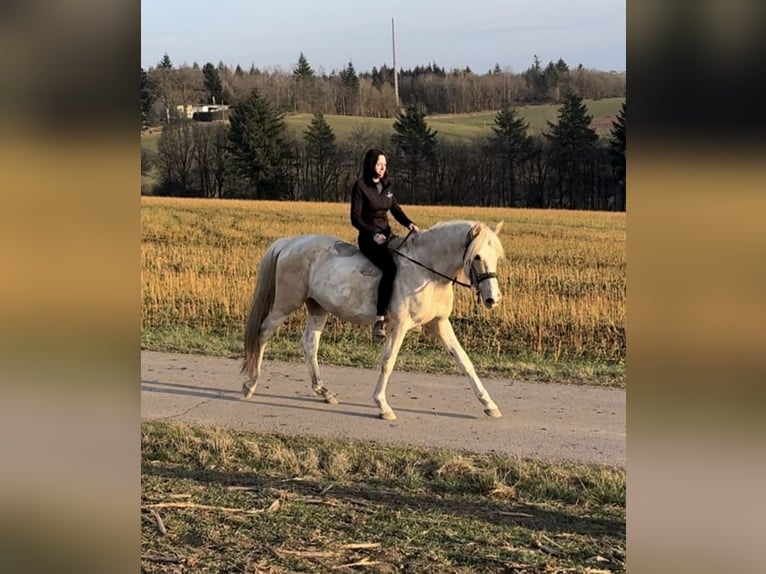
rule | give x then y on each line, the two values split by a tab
372	198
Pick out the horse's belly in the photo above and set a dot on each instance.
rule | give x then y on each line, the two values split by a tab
346	287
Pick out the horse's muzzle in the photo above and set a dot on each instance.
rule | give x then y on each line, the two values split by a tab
489	302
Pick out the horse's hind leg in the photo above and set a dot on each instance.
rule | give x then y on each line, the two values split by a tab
316	317
272	322
442	330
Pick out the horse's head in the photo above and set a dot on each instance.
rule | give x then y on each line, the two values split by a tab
483	251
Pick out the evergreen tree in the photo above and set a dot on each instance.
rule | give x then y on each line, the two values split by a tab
213	85
572	142
303	80
551	78
415	145
510	143
377	78
164	88
617	152
165	63
322	154
259	146
563	80
536	82
302	69
147	100
350	90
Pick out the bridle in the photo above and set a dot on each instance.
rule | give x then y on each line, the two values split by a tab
474	278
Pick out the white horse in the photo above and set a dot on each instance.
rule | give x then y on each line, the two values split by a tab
331	276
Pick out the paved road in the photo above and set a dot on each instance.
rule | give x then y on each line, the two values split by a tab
553	421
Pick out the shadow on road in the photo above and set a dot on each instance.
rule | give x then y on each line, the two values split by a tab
211	393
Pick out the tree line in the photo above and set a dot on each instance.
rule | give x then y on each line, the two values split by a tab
368	93
255	156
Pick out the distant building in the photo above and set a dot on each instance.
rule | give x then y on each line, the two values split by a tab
203	113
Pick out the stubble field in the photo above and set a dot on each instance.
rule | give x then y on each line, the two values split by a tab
564	284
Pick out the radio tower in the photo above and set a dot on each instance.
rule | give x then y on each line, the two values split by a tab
396	74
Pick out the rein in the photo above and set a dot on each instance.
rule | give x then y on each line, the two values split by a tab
479	278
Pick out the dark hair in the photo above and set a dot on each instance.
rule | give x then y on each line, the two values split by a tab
368	165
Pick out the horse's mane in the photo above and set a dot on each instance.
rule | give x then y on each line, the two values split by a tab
486	237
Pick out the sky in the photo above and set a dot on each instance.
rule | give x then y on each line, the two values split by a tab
271	34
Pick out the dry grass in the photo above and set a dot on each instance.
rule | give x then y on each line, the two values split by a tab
564	281
295	504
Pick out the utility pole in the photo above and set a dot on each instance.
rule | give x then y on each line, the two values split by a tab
396	74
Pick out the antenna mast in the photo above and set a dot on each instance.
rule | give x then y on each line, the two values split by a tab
396	74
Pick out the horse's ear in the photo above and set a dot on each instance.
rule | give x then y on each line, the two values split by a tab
475	230
498	227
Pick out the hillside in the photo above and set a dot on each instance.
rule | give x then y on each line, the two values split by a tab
452	127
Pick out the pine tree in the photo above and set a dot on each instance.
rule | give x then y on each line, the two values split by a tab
322	154
350	89
302	70
303	80
563	81
415	144
617	152
164	85
552	77
510	142
536	81
147	100
165	63
259	146
213	85
572	142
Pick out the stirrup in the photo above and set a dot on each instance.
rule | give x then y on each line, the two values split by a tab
379	330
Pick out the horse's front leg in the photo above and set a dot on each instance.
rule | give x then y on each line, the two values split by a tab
442	329
388	359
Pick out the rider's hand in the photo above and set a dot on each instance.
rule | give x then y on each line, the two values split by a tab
414	228
379	238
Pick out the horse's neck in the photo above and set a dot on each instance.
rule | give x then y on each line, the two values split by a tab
441	248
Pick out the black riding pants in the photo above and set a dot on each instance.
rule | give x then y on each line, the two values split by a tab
383	260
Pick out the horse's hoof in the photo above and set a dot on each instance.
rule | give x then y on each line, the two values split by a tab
248	391
388	416
494	413
330	399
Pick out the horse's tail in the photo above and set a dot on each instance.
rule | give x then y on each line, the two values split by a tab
263	300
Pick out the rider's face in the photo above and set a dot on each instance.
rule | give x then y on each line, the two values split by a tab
380	166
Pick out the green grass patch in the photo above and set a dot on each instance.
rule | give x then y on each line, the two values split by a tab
418	354
222	501
452	127
463	127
